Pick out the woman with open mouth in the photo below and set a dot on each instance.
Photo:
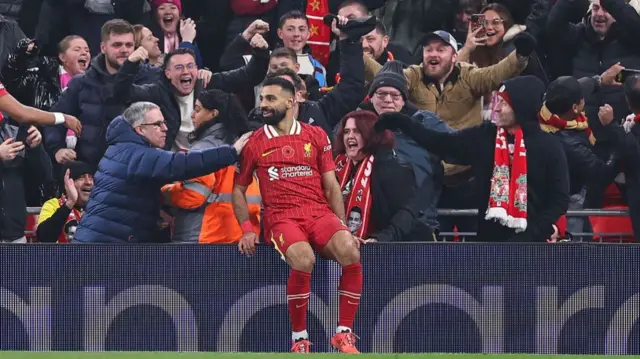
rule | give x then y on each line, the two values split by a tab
172	30
376	187
493	41
39	83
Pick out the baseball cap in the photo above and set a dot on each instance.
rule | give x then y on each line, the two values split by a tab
442	36
566	91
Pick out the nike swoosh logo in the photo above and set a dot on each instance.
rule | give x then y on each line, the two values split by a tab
352	303
300	305
268	153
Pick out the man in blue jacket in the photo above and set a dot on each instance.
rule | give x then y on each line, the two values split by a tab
124	205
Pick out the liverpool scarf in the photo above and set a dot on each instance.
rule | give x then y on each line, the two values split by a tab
320	34
360	197
71	221
508	197
552	123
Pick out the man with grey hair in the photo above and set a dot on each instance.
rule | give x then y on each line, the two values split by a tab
124	205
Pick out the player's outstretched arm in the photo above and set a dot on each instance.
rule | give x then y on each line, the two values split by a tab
333	194
247	244
31	115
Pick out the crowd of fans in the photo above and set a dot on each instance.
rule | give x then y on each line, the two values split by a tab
145	94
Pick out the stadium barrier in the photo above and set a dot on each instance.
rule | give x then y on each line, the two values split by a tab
418	297
616	231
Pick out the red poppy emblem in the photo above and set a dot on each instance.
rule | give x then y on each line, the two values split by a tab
287	152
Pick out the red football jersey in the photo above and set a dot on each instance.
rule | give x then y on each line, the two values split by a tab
289	169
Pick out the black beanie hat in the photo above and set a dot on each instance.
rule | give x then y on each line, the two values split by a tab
78	169
391	75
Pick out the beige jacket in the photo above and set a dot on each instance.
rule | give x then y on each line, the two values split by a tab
459	104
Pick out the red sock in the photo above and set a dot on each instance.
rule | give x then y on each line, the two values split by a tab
298	292
349	293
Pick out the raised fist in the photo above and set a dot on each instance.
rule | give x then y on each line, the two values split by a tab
258	42
140	54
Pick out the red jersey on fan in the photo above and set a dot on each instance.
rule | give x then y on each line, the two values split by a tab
289	170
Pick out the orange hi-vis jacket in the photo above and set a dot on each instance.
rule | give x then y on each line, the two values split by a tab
204	210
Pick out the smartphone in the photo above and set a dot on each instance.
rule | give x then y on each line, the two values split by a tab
625	74
22	134
477	21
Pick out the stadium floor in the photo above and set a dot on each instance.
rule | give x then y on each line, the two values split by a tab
172	355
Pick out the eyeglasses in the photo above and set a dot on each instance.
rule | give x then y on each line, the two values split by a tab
494	22
158	124
383	95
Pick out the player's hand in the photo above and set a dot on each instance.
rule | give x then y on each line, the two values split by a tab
247	245
241	142
73	124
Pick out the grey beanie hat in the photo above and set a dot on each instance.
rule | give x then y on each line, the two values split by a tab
391	75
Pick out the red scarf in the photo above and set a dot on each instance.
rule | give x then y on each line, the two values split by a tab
320	33
508	197
637	118
360	195
552	123
73	216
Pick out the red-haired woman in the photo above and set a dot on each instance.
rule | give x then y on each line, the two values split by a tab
375	186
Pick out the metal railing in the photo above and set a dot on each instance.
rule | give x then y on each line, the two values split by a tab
621	236
581	236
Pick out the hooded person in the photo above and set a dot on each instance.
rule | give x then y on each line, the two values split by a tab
523	180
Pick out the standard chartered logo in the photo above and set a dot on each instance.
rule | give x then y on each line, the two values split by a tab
289	172
273	174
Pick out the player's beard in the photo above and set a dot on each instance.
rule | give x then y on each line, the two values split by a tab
275	118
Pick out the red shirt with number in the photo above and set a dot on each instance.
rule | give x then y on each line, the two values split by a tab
289	170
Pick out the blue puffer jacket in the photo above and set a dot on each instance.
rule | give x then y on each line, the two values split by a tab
90	98
124	206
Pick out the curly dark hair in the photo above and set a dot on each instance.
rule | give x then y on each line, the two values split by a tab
231	114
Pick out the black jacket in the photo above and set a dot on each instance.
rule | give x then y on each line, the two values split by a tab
585	168
162	94
343	98
392	52
33	80
90	97
32	163
631	164
10	34
547	175
589	56
392	190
